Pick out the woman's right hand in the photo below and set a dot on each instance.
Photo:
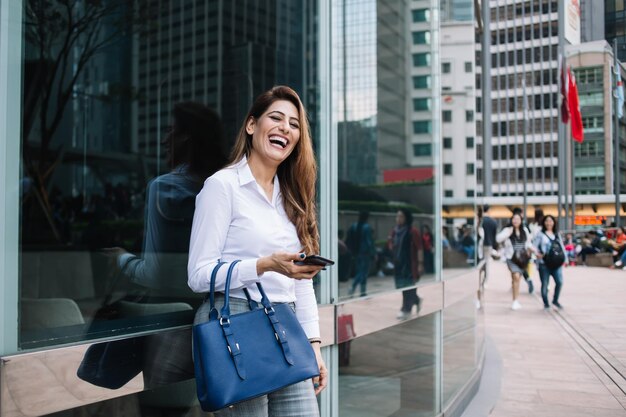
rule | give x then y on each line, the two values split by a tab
284	263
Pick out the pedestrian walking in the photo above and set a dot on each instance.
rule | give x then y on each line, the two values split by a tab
406	245
361	244
517	250
550	252
490	229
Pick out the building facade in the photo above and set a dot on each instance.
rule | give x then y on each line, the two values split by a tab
458	110
80	155
594	169
524	50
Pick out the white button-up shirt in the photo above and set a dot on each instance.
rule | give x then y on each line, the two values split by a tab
235	220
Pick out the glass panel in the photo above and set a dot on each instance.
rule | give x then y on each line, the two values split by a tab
174	400
459	346
378	378
109	177
386	176
459	158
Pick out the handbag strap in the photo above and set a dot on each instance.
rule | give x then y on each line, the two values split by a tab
233	346
212	309
225	312
279	330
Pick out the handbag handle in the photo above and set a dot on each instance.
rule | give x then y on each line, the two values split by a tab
279	330
212	309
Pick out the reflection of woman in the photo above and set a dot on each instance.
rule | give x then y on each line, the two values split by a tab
261	210
517	245
406	247
194	152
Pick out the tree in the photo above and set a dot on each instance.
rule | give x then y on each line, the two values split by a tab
61	37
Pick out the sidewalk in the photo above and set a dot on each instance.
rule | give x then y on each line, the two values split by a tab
558	363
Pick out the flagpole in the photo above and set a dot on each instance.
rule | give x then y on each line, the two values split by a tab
525	153
561	126
573	179
616	134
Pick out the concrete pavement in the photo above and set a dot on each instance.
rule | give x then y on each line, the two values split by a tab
557	363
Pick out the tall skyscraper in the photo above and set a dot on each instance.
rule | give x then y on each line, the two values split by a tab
458	107
425	82
524	50
222	53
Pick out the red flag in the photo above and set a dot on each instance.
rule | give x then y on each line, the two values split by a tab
574	108
564	99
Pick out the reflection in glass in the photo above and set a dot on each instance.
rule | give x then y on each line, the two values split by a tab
391	372
104	213
384	164
459	346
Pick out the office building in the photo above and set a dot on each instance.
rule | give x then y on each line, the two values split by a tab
592	64
524	50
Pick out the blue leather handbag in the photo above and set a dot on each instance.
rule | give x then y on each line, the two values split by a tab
246	355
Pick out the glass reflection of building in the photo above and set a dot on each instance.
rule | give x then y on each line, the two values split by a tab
222	54
615	25
368	73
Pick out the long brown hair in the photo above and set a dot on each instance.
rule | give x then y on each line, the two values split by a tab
297	174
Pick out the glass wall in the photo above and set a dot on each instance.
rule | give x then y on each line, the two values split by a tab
386	168
111	91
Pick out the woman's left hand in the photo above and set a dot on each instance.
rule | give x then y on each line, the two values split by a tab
320	382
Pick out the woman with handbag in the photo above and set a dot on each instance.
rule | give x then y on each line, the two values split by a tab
517	250
260	210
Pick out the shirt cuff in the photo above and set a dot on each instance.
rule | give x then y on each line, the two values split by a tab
123	260
312	330
246	272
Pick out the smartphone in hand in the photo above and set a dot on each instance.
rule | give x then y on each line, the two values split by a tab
315	260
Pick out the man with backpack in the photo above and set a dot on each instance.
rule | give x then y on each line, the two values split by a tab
550	257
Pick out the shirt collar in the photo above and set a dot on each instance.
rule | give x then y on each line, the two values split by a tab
245	176
244	172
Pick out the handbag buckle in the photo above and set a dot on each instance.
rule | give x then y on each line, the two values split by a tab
230	350
270	310
224	320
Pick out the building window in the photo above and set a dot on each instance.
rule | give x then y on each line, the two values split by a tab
421	15
445	67
470	193
592	99
591	75
469	169
421	81
422	149
447	143
421	104
468	66
448	193
469	142
447	169
421	38
422	126
469	116
446	115
421	59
